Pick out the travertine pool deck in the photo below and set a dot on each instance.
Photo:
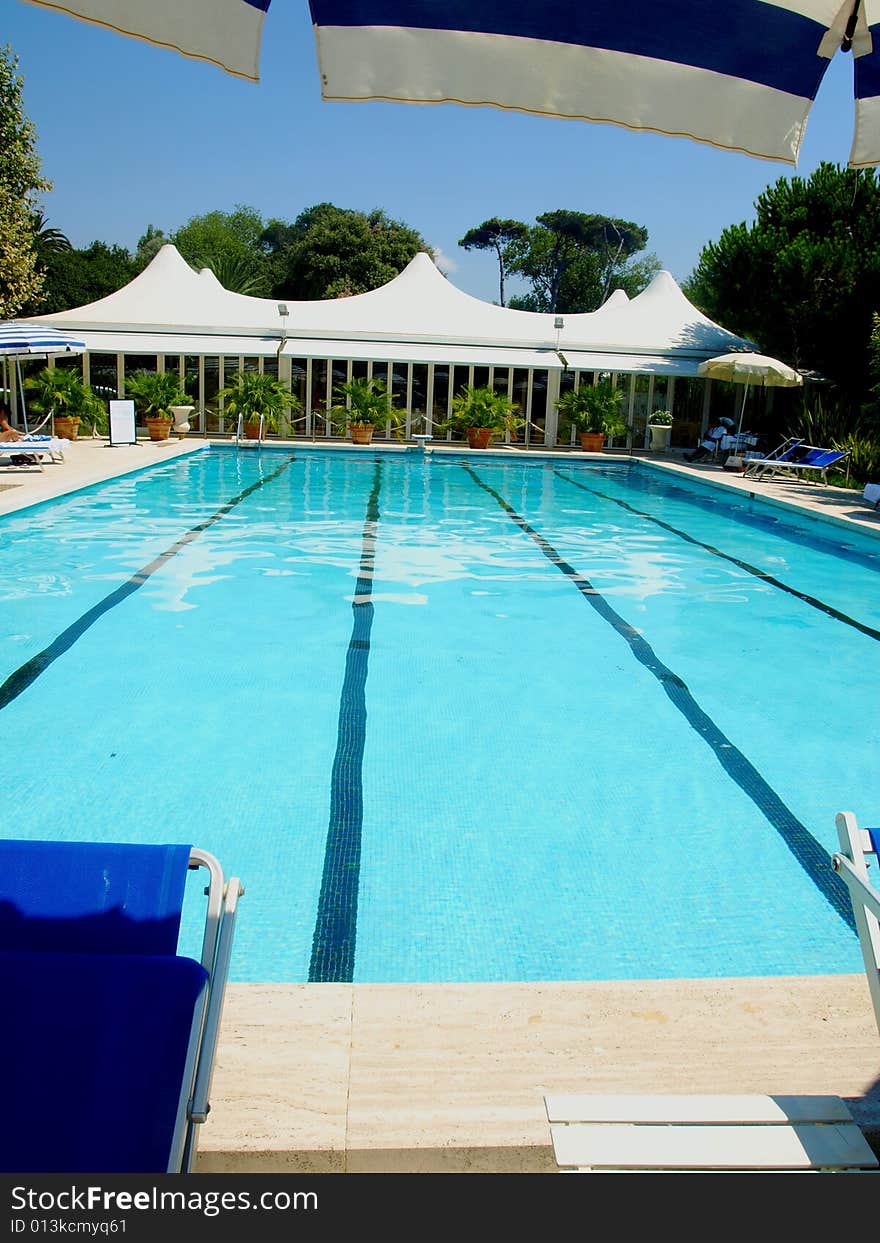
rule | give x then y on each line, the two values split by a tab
327	1078
450	1078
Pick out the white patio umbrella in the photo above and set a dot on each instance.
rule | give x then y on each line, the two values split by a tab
750	369
737	74
22	340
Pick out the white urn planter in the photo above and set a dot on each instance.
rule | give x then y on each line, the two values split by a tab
181	414
660	433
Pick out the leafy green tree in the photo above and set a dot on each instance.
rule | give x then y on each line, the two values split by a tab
231	245
331	252
572	259
21	279
149	245
803	280
495	235
76	277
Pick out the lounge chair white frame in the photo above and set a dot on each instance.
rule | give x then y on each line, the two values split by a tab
778	468
52	448
216	951
851	866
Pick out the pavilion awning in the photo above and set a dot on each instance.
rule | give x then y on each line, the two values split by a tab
657	364
177	343
420	352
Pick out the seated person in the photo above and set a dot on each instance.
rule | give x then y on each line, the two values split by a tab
708	446
7	432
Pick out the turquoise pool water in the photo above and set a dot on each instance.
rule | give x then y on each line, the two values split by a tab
454	718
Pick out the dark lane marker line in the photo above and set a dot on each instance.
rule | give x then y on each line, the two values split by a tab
743	565
22	678
335	935
809	853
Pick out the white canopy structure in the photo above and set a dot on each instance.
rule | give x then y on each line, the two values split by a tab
418	320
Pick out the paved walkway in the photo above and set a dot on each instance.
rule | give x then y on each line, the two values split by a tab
386	1078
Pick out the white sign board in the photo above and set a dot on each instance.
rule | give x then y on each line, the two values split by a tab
122	423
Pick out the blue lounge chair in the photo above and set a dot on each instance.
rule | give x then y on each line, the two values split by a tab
783	453
805	461
109	1038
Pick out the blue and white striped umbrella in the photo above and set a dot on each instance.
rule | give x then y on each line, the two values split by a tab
20	340
737	74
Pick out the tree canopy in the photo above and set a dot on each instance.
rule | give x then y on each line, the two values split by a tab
803	280
21	277
75	277
495	234
331	252
231	245
573	260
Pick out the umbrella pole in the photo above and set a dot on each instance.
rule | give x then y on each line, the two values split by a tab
21	393
742	410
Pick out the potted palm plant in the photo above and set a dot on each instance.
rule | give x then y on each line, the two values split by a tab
596	411
61	392
254	395
154	393
362	406
481	413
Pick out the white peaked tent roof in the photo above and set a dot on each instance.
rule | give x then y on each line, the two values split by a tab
418	315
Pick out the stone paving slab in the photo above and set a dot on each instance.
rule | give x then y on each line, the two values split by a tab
450	1078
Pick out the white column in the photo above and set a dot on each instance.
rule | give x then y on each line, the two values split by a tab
551	418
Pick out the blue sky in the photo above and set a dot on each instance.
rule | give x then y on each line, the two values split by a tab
132	135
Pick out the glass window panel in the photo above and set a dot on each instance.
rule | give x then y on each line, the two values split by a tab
139	362
419	400
499	380
340	376
640	410
461	378
565	433
481	377
270	367
539	402
359	369
212	388
399	382
102	376
441	392
319	394
298	374
521	388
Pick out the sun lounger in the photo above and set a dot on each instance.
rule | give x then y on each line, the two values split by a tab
39	447
857	847
805	461
593	1133
110	1034
871	494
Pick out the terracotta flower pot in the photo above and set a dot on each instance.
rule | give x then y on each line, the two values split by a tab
479	437
159	429
362	433
252	430
592	442
67	428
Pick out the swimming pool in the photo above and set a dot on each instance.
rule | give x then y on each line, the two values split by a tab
453	717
